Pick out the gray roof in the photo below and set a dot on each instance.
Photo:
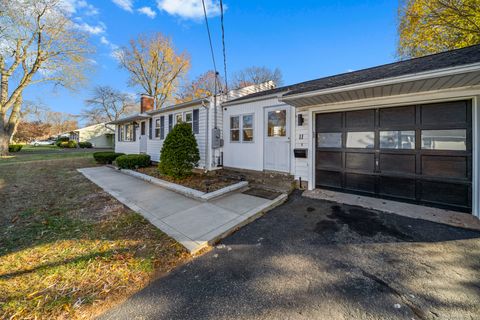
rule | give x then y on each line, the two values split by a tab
448	59
179	106
139	116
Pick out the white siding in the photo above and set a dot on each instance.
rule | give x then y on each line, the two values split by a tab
127	147
301	141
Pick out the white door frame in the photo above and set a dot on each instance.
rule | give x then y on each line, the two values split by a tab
287	138
403	101
142	138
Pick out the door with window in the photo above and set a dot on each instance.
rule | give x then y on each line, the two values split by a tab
277	139
420	153
143	137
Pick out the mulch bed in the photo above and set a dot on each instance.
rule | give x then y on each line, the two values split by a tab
205	182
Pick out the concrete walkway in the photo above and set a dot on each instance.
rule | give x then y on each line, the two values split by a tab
193	223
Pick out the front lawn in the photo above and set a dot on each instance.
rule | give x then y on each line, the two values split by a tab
30	153
68	249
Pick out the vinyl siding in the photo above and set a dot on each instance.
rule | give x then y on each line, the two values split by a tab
301	165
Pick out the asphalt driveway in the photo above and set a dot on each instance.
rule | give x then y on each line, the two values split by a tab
312	259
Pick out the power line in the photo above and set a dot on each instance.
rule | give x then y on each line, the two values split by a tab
223	45
209	38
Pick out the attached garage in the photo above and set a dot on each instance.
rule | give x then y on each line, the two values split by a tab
416	153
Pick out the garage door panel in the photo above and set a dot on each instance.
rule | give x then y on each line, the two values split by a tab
360	161
329	121
329	178
441	114
397	117
397	163
445	193
364	119
445	166
397	187
329	159
360	182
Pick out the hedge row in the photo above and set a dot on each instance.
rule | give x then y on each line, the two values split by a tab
106	157
85	144
133	161
67	144
15	147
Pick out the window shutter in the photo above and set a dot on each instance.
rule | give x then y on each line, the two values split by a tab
196	114
119	133
134	132
170	122
150	124
162	127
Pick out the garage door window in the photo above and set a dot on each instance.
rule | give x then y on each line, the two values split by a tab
361	140
444	139
329	140
397	140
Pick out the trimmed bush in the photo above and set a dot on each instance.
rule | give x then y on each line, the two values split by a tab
106	157
15	147
133	161
60	140
68	144
85	144
179	154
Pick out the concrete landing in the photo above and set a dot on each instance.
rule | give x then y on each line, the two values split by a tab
193	223
453	218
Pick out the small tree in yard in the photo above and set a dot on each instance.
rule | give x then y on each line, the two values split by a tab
179	154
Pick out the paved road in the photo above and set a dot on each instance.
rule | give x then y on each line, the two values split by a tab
311	259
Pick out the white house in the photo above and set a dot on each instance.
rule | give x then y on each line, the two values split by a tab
407	131
100	135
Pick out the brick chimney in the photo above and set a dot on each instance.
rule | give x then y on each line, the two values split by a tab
146	103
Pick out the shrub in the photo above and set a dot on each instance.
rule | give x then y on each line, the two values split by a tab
60	140
68	144
85	144
106	157
15	147
179	154
133	161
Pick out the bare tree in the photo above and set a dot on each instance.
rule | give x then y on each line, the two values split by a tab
202	86
107	104
39	42
154	66
256	75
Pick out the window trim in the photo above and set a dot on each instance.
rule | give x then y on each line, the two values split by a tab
175	116
240	128
157	128
123	130
185	118
252	128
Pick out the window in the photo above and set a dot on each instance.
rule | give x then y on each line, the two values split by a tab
127	132
178	118
157	128
362	140
189	119
235	129
455	139
397	140
162	127
329	140
247	126
277	123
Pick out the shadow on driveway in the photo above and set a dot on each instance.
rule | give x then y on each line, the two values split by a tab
312	259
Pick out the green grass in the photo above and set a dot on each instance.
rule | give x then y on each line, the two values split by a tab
67	249
30	148
45	153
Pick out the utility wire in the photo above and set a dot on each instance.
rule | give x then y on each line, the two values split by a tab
223	45
209	37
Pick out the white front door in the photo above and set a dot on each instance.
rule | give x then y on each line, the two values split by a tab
143	137
277	139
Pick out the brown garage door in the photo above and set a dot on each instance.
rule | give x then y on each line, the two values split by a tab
418	154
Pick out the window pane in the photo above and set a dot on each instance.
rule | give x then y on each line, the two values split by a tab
247	134
277	123
234	122
397	139
188	117
444	139
364	140
248	121
235	135
178	118
329	140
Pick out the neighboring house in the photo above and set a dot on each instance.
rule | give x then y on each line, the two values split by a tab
407	131
100	135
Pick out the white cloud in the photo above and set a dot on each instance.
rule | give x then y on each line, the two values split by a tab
74	6
190	9
148	12
126	5
85	27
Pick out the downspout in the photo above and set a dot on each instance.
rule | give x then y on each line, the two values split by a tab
206	160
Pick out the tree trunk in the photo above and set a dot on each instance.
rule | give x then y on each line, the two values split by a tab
4	142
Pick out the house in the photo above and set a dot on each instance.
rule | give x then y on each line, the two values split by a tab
407	131
100	135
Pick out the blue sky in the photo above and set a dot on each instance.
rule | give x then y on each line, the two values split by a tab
306	39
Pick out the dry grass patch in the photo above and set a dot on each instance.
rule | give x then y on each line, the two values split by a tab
69	250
